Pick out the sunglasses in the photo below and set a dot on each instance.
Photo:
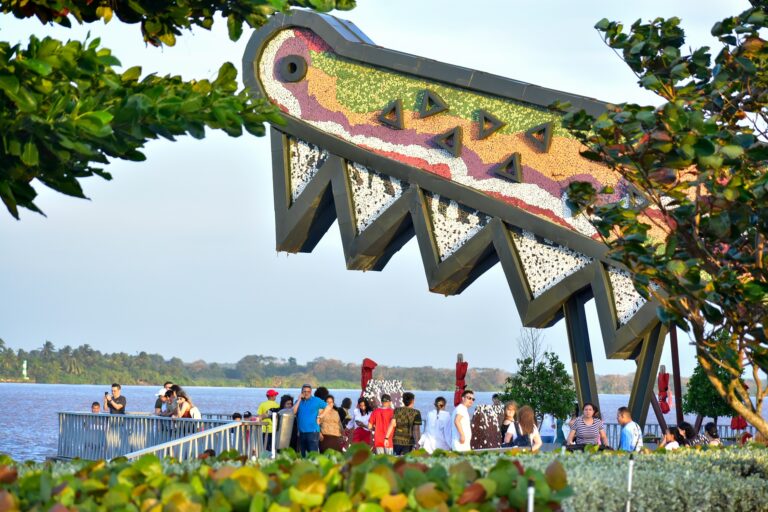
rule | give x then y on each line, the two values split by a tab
470	398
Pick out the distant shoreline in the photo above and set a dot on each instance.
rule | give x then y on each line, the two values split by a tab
350	387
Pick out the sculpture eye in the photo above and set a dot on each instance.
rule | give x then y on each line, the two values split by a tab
292	68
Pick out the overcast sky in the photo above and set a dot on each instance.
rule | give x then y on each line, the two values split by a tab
177	254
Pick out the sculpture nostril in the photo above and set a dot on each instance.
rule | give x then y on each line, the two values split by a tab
292	68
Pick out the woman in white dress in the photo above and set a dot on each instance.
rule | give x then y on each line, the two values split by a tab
437	428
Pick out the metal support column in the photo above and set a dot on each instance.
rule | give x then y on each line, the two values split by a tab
647	369
657	411
676	375
581	351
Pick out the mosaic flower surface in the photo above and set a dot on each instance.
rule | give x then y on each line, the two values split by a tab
305	160
372	193
453	224
545	263
377	387
486	426
627	300
343	98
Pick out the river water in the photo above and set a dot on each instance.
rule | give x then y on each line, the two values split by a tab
29	423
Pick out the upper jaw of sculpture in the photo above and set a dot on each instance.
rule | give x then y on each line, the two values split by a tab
476	166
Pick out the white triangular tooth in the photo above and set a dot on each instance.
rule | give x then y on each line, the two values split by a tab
546	263
626	298
454	225
372	193
305	159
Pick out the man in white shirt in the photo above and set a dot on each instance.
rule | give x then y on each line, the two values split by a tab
462	431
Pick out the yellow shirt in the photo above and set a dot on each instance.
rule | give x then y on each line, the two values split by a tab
263	408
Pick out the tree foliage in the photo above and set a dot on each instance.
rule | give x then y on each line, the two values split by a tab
85	365
545	386
702	398
693	234
65	110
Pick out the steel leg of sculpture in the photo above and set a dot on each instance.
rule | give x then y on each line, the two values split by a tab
581	351
647	368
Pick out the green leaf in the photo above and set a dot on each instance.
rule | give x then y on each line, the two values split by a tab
131	74
40	67
646	116
8	199
168	38
732	151
337	502
97	123
713	161
9	83
603	24
323	5
24	99
370	507
234	27
677	267
650	82
376	486
227	75
754	291
29	155
731	193
704	147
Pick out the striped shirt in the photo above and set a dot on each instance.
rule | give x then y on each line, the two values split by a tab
588	434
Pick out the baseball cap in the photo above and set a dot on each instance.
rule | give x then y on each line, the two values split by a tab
160	392
272	392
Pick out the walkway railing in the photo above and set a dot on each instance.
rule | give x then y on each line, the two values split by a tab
243	437
107	436
613	431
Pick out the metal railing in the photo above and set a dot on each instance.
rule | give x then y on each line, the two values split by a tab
613	432
243	437
107	436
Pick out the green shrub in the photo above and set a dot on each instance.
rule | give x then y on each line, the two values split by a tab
732	479
330	482
727	479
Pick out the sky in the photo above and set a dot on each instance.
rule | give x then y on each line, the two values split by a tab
176	255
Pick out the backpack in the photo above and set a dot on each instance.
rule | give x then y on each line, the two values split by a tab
520	440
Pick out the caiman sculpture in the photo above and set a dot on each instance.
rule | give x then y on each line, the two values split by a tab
474	165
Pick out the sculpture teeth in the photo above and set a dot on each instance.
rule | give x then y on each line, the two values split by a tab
546	264
626	298
453	224
305	160
372	193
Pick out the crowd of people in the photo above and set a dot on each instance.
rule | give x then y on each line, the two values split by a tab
171	401
685	435
320	424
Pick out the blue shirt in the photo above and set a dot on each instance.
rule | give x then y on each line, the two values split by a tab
307	414
631	437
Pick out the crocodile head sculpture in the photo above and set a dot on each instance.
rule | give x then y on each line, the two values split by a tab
473	165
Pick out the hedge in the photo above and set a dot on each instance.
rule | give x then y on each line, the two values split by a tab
734	479
719	479
330	482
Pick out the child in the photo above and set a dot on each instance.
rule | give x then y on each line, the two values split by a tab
670	441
